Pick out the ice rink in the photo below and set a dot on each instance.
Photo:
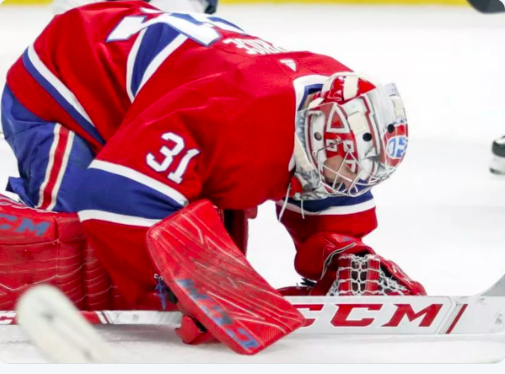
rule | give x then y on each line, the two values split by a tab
441	216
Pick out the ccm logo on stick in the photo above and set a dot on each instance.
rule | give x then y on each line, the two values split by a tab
399	313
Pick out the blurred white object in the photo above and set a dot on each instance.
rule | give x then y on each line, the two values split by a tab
61	6
58	329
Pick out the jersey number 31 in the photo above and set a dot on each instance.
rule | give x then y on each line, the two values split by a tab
169	154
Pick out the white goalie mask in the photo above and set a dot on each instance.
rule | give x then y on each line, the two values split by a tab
352	136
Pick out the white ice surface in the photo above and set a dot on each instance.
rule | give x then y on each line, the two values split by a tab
441	216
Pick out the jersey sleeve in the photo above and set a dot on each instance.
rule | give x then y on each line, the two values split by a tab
145	173
352	216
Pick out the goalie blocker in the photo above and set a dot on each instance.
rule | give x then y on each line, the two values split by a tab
215	285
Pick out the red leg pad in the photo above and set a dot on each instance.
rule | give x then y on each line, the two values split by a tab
39	247
47	247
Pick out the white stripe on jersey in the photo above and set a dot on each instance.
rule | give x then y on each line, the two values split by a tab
100	215
52	152
140	178
57	84
63	168
334	210
130	64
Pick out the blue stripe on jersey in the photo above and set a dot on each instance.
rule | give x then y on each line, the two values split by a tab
83	122
79	160
156	38
31	139
117	194
315	206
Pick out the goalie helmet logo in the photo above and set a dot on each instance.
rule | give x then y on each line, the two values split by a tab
396	144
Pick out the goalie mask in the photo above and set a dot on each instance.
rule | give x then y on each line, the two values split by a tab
351	137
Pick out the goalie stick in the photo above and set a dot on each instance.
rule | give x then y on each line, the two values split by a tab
57	328
369	315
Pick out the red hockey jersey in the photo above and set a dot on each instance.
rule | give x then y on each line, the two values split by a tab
174	108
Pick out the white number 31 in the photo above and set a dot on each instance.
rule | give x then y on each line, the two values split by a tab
168	157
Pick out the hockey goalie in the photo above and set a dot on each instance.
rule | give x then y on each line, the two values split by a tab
163	131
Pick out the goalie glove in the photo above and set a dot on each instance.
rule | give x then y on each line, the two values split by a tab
345	266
